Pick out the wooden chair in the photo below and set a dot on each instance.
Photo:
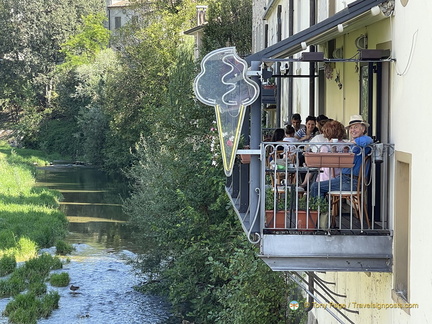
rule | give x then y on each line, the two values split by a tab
357	196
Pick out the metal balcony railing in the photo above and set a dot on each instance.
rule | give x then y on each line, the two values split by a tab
314	189
319	188
337	224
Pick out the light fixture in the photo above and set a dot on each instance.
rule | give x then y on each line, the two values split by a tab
340	28
374	54
312	56
375	11
303	45
361	42
338	53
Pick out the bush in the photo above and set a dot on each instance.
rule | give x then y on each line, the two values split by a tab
49	302
38	288
60	279
11	287
7	265
64	248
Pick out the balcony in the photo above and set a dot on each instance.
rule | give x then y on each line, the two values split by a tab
319	227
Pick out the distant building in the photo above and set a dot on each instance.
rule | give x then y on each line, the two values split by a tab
198	30
119	13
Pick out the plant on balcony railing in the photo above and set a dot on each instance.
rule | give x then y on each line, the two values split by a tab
275	211
244	158
307	212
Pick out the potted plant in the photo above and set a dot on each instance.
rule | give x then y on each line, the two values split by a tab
244	158
321	206
307	217
275	211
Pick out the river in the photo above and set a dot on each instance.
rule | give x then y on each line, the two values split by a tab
99	265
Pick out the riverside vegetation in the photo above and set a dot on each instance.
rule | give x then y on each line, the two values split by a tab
125	102
29	220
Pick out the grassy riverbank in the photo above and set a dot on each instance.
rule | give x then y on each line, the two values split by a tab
29	220
29	215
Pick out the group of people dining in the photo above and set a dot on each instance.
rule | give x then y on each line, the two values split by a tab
322	129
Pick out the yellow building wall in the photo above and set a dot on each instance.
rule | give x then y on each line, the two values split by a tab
342	103
366	293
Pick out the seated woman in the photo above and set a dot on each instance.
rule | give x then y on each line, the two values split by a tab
306	134
357	129
332	129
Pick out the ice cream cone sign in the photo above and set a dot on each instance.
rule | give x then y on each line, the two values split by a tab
223	83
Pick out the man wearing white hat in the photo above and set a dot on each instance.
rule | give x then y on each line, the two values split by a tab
357	128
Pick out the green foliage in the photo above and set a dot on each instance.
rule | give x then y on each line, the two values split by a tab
91	38
58	135
27	86
7	239
28	308
64	248
7	264
249	296
281	200
60	279
29	215
229	24
39	288
314	203
194	249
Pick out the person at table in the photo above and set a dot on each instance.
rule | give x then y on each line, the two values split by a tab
296	122
357	128
331	130
278	136
289	137
306	134
319	138
289	134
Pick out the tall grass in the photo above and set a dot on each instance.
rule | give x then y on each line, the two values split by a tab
29	220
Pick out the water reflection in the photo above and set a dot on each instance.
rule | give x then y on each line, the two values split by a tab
92	203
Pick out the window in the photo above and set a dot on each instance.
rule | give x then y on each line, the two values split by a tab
401	253
117	22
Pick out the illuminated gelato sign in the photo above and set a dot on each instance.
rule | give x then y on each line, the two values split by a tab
223	83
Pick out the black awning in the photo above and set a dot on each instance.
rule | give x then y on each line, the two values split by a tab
354	16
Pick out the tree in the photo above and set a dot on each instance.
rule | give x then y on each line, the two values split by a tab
193	248
31	34
229	24
91	38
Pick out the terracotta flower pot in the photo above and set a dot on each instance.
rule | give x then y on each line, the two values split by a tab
304	223
245	158
329	160
271	222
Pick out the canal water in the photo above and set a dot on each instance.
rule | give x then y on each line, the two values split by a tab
100	265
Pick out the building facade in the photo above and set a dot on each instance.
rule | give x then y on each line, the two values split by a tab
373	63
119	13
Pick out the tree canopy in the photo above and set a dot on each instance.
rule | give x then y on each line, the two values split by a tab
131	108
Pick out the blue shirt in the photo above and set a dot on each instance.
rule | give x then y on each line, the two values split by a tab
361	141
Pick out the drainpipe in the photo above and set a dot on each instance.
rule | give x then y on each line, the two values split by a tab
255	141
291	64
312	64
311	289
